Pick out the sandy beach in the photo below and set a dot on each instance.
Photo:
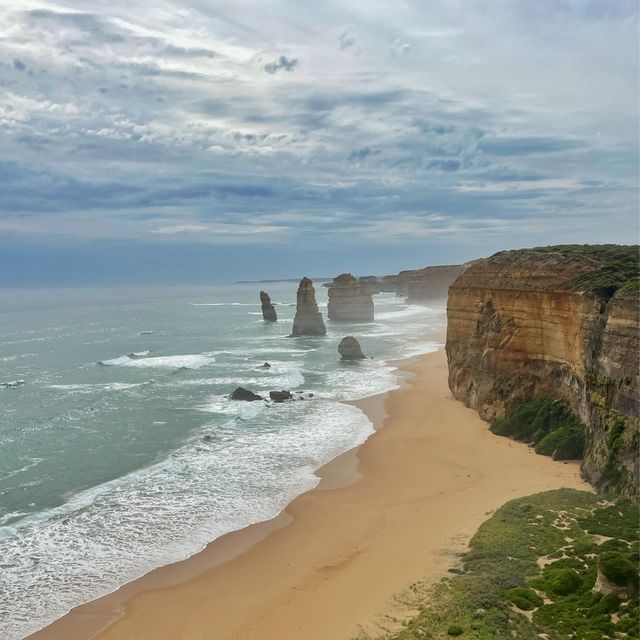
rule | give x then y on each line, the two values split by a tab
390	513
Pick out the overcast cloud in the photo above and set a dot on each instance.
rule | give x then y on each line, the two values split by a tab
414	132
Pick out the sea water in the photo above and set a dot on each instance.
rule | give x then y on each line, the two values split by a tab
119	448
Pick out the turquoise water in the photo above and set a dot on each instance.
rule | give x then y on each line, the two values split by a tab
113	465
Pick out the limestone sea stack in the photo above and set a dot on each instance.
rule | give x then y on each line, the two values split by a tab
349	349
349	301
308	320
268	311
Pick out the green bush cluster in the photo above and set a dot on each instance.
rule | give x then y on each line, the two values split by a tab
548	425
524	598
501	570
618	568
619	272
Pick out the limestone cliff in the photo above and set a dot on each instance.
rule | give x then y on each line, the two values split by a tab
349	301
521	327
430	283
308	319
268	310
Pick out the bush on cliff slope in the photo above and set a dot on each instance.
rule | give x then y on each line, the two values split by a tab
549	426
619	273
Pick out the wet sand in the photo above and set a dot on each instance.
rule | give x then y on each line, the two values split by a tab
386	514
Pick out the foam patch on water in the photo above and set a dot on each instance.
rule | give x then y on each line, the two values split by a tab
192	361
90	388
108	535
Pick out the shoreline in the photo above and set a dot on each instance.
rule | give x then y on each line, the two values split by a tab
379	519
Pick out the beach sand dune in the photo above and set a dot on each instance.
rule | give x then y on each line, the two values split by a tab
389	514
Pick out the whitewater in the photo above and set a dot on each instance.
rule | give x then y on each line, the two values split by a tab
121	451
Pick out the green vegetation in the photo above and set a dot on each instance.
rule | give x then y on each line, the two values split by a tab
548	425
531	569
617	567
619	273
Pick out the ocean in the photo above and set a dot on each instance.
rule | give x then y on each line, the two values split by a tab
120	451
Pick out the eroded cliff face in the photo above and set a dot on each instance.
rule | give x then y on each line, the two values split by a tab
516	331
349	301
427	284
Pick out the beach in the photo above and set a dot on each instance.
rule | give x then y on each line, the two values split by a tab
391	512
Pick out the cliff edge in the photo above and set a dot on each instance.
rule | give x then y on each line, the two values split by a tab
560	323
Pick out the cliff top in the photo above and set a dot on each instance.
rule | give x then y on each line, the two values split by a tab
618	270
602	270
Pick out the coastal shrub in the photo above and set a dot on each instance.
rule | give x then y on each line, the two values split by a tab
501	569
561	582
617	568
524	598
550	426
618	272
455	630
566	443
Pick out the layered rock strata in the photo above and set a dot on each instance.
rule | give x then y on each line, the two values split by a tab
349	301
308	319
428	284
268	310
517	331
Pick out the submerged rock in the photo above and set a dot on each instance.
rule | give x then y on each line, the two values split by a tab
349	349
308	320
244	394
268	310
266	365
280	396
349	301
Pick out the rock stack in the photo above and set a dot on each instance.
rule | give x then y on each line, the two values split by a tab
268	310
349	349
349	301
308	320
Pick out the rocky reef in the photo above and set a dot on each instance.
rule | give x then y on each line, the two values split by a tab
558	323
349	301
349	349
308	319
268	310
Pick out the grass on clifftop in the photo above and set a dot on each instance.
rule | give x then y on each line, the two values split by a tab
532	570
548	425
618	275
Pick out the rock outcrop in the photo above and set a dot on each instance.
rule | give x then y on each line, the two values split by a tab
428	284
244	394
389	284
370	283
308	319
280	396
519	328
349	349
349	301
268	310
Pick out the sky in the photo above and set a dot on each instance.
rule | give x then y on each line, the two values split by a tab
212	141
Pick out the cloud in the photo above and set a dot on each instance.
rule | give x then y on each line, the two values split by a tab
281	64
346	40
143	124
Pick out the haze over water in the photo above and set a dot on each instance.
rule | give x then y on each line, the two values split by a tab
114	464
